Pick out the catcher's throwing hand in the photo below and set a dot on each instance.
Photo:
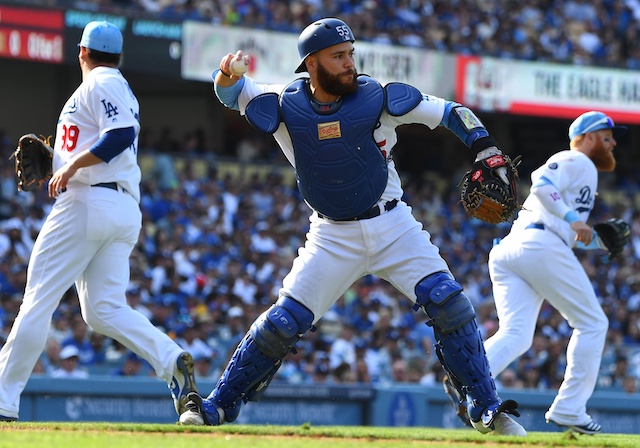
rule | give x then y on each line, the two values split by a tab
614	234
33	158
489	188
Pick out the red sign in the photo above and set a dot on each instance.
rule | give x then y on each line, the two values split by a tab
31	18
32	45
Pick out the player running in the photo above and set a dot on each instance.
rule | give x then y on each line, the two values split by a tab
535	262
92	229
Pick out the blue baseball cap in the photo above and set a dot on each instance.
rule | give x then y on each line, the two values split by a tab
102	36
321	34
594	121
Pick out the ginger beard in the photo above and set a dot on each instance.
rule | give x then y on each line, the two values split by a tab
333	84
602	156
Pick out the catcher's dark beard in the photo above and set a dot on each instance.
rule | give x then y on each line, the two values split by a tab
333	85
602	158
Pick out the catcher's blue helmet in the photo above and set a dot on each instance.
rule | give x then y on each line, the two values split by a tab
322	34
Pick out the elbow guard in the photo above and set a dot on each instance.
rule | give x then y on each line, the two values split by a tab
467	126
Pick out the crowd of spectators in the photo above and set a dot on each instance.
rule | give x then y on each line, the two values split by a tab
215	246
581	32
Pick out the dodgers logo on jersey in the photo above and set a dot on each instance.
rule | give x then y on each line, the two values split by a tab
586	199
71	106
109	109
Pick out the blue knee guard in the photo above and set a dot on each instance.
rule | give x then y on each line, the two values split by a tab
259	355
458	345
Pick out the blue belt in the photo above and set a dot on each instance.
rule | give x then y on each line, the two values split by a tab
535	225
371	213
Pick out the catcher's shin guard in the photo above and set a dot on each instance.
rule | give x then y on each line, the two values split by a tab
259	355
458	345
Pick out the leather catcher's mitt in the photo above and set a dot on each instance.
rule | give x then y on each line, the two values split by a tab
614	234
33	161
488	195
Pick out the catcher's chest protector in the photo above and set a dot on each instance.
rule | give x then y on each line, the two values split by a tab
341	171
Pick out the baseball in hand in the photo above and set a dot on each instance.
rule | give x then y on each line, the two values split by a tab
238	68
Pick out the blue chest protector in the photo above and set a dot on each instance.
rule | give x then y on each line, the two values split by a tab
340	170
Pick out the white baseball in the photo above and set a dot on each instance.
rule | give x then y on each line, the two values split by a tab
238	68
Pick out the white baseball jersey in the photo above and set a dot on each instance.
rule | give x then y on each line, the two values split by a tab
87	240
576	178
392	246
535	262
103	102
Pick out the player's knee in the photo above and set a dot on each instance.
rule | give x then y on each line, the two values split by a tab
441	297
281	326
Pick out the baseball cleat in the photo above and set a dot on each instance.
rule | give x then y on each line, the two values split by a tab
4	418
589	428
497	421
459	404
201	412
183	382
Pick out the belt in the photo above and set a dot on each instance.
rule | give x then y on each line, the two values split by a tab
110	185
535	225
371	213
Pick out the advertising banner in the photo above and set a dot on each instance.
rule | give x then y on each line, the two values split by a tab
543	89
274	58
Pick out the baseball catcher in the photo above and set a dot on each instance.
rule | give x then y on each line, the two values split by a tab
33	161
489	188
614	235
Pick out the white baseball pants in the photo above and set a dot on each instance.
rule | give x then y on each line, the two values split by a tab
87	239
526	268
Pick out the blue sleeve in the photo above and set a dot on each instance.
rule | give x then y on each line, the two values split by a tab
228	95
113	142
466	126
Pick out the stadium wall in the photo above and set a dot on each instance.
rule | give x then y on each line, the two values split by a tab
147	400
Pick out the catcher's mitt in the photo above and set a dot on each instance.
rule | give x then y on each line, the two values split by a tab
614	234
489	195
33	161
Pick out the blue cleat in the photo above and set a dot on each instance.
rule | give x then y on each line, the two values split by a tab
183	382
4	418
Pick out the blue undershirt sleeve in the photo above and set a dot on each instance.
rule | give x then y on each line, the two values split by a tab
113	142
228	95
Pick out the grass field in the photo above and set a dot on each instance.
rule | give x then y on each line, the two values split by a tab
116	435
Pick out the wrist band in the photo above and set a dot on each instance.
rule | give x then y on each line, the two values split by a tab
228	76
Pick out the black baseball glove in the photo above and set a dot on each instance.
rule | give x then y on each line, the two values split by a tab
33	161
614	234
487	194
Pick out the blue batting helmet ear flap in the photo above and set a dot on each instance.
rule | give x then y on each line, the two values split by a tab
321	34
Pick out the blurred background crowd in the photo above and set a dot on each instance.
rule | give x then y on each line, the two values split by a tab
581	32
216	243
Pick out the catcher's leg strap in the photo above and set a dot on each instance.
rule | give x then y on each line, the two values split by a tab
259	354
458	345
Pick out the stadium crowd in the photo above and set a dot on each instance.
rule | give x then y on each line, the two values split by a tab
215	246
580	32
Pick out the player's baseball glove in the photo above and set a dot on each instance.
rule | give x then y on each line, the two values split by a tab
614	234
486	194
33	161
